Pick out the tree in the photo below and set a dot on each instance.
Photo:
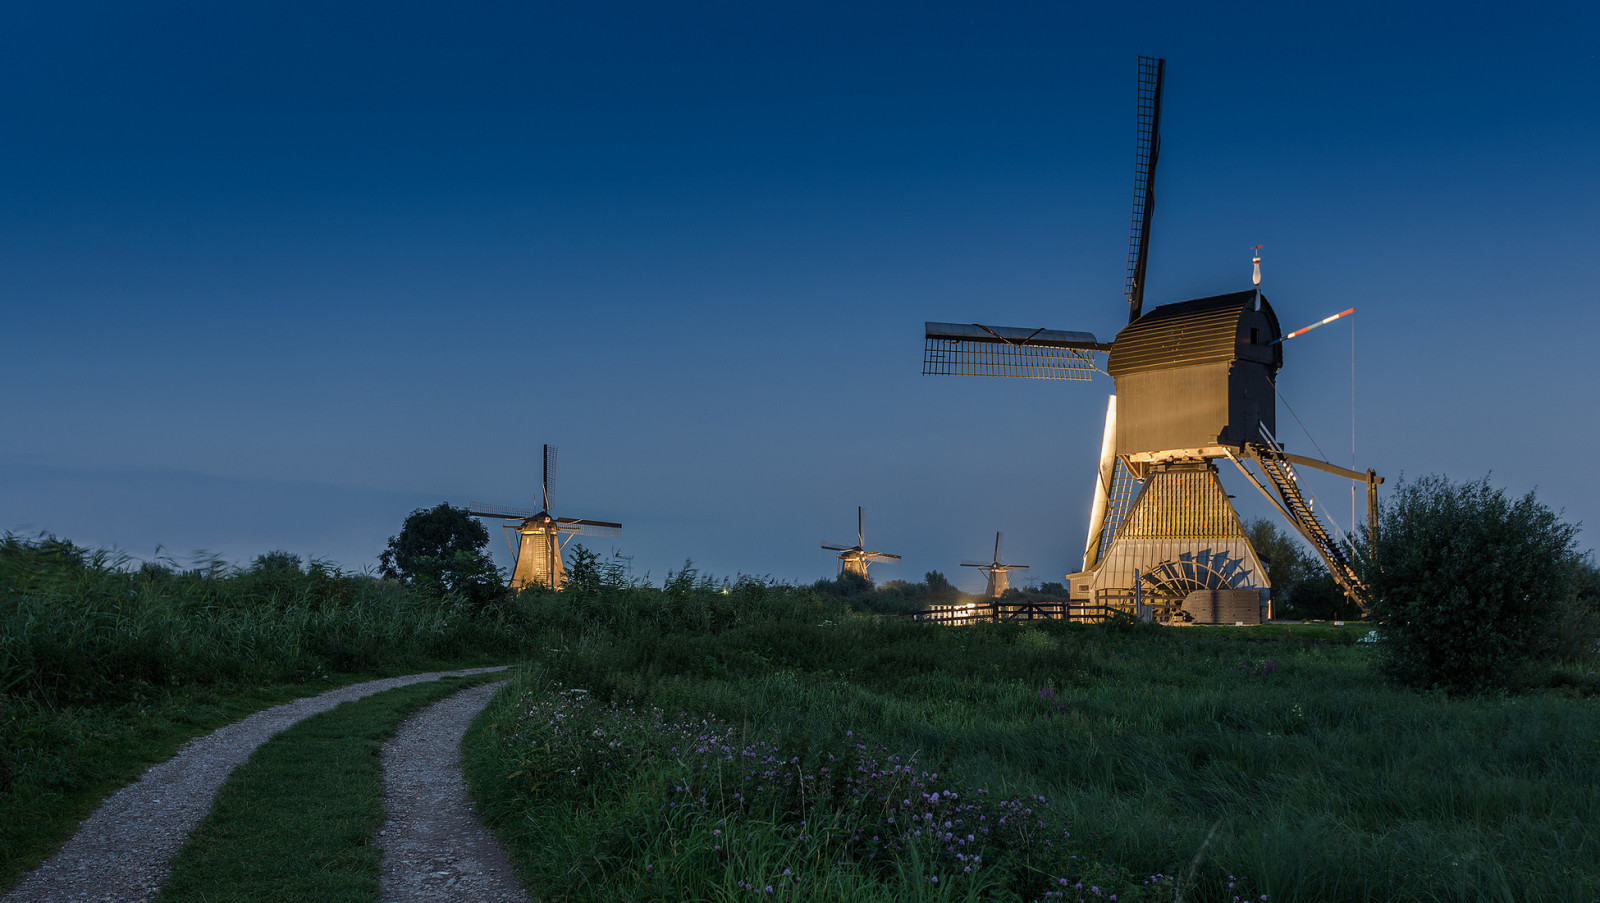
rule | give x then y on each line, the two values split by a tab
442	549
939	587
1301	584
1466	583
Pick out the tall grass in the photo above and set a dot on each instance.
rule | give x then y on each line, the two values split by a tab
83	627
106	667
1200	753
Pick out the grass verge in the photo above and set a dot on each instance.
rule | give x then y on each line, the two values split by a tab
296	821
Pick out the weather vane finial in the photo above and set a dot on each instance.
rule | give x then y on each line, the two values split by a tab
1255	275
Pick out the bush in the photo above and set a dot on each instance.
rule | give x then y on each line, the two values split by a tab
1467	583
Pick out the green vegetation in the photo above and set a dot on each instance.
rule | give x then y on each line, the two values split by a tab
1470	587
441	550
106	669
1180	760
1302	588
296	821
714	739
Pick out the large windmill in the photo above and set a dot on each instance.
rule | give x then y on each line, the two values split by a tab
1195	383
541	535
854	559
996	571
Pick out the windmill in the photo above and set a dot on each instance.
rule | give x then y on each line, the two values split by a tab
1195	383
995	571
541	535
854	559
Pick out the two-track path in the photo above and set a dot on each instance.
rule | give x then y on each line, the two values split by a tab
122	852
434	847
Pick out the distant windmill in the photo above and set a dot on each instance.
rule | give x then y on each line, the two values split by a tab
1195	384
995	571
539	551
854	559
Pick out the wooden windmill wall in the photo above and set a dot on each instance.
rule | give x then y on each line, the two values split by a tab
853	564
539	556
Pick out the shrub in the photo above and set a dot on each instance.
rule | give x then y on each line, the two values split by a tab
1466	583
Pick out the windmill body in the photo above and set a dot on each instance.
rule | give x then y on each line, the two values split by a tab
996	572
855	559
540	536
539	554
1195	384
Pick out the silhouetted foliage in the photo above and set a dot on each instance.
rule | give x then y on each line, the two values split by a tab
583	576
443	548
277	561
1575	631
1467	583
1302	588
846	586
939	587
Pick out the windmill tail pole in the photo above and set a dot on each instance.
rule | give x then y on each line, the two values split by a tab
1323	322
1102	486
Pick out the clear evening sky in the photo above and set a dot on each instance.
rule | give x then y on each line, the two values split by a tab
275	274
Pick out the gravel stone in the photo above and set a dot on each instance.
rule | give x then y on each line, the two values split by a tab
434	846
122	853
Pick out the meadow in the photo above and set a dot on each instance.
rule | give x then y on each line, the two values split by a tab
735	740
760	741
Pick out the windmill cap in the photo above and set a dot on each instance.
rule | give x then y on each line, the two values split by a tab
1201	331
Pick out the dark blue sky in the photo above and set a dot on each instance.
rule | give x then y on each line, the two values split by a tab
276	274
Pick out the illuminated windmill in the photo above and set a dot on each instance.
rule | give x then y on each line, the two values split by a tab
541	536
1195	382
854	559
995	571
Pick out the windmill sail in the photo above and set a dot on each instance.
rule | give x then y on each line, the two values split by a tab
1147	149
960	349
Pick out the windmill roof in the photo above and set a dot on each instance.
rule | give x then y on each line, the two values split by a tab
1201	331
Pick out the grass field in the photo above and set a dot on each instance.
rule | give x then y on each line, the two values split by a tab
712	741
1205	764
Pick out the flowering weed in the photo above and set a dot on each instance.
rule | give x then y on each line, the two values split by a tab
696	809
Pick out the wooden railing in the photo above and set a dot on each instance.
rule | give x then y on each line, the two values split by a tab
977	612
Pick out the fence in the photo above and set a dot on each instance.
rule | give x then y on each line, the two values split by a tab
976	612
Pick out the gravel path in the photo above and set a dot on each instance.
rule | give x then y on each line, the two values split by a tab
434	847
122	852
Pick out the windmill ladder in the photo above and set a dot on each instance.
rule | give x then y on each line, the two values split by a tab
1283	478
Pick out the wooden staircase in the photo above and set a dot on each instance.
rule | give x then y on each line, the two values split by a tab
1278	469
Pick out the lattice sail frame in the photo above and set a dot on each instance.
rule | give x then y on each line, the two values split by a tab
1146	151
960	349
959	358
